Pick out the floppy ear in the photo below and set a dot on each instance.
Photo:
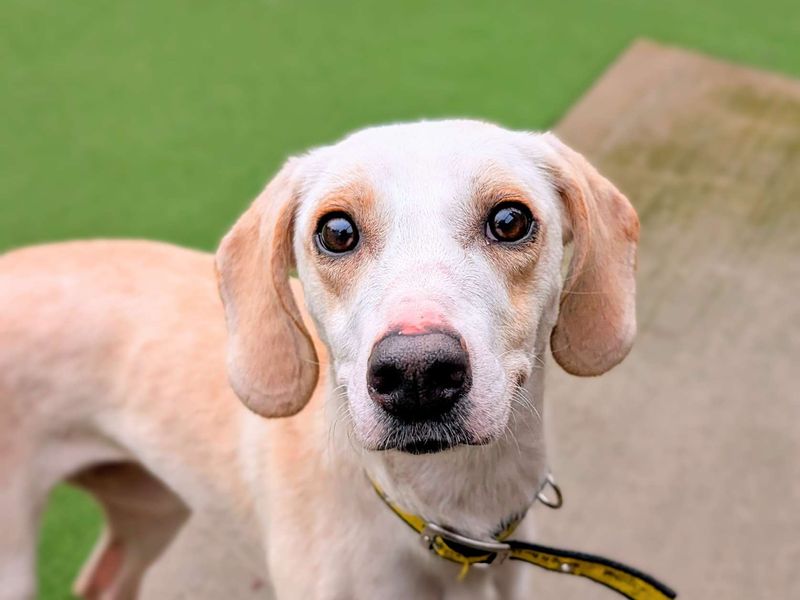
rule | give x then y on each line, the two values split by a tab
597	319
272	365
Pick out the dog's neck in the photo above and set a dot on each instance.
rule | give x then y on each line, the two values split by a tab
475	490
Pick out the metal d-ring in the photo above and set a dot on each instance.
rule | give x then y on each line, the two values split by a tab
554	503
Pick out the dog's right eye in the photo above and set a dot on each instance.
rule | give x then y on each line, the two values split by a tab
336	234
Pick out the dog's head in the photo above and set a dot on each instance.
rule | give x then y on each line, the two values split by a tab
430	255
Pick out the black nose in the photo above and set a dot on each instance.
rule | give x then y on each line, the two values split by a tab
418	377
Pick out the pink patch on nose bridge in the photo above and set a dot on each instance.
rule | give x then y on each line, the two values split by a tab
411	319
414	328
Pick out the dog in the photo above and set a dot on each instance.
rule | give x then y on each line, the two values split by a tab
409	352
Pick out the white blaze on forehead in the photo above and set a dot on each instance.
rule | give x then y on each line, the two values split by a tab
415	155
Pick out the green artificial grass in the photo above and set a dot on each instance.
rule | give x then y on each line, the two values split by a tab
163	119
70	527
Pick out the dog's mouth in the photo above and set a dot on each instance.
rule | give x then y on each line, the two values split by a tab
425	446
428	439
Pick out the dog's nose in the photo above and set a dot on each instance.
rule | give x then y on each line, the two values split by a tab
418	377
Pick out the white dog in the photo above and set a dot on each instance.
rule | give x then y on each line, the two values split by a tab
430	259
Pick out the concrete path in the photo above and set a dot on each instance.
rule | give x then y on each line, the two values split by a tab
685	460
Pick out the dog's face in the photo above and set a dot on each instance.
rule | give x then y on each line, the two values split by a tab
430	255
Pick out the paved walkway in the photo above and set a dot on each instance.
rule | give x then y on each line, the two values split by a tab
686	459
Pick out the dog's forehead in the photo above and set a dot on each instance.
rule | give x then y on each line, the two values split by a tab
429	155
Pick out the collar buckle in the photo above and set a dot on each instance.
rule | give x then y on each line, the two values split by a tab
433	533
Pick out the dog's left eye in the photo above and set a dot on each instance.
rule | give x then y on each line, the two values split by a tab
510	222
336	234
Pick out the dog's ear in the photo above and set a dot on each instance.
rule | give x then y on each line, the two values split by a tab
597	319
272	365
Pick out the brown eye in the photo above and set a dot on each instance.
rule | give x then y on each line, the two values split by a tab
336	234
510	222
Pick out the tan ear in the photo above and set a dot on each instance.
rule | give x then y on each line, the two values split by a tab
597	319
272	365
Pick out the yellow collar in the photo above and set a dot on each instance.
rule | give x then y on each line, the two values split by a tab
467	551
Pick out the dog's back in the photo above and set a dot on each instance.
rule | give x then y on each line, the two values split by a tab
89	330
74	316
